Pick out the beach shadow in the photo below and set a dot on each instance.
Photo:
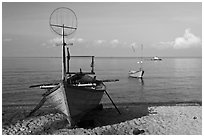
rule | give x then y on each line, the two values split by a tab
129	111
110	116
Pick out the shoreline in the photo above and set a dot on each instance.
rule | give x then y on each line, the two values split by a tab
152	119
169	103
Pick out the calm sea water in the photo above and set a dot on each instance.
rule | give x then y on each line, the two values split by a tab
169	80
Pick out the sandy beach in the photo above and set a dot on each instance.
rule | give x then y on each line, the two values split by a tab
145	119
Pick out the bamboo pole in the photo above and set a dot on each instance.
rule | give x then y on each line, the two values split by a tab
92	64
141	57
63	56
68	58
37	107
112	102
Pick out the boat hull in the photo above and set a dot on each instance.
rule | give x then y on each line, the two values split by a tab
74	101
136	74
156	59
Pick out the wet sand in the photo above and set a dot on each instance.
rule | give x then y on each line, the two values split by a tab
145	119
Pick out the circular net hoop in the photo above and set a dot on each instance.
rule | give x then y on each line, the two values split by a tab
63	16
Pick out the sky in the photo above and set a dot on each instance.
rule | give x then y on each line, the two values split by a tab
109	29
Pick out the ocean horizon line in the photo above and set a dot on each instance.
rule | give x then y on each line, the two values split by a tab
102	56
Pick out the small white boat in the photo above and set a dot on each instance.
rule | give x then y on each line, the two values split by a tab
136	74
139	73
156	58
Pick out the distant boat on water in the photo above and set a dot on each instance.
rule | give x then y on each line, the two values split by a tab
139	73
156	58
136	74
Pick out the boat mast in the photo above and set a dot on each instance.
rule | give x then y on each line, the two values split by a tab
68	58
141	56
92	64
63	56
64	26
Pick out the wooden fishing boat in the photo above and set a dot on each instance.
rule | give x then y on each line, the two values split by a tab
139	73
78	92
75	99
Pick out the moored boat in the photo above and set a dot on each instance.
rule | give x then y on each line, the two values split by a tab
156	58
139	73
75	99
78	92
136	74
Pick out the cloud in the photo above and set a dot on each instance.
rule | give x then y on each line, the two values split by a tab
164	45
7	39
58	41
79	40
115	41
55	41
121	44
188	40
88	43
76	40
100	41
